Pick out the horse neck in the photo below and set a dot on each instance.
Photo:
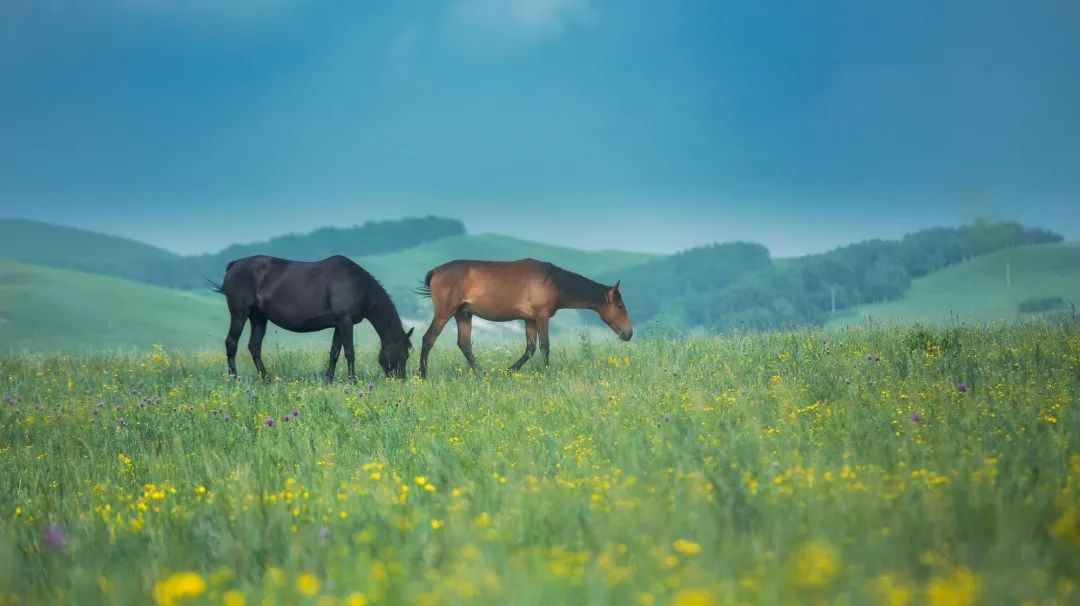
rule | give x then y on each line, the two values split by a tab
385	319
588	295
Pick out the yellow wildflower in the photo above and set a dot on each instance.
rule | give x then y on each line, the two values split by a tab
436	524
815	564
687	547
692	597
178	586
234	597
959	588
307	584
356	599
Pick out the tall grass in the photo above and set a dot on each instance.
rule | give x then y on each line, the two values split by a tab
863	466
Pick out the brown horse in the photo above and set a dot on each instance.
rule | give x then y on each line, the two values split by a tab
528	290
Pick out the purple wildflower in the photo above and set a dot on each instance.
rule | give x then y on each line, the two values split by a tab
116	407
370	386
286	418
269	421
122	421
295	413
667	417
962	387
54	537
324	532
225	418
916	417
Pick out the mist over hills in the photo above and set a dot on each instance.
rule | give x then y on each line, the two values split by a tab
735	285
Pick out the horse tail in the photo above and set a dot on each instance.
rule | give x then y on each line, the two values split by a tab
217	286
425	289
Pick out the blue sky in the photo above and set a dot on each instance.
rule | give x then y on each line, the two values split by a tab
637	125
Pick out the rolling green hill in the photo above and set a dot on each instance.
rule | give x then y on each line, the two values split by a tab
49	309
977	289
70	248
45	309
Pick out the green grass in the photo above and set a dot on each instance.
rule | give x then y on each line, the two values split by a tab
977	288
777	468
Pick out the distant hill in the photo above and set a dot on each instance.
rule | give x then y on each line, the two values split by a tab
404	268
989	287
373	237
47	309
70	248
737	285
66	247
50	309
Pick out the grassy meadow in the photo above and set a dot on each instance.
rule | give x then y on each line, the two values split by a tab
859	466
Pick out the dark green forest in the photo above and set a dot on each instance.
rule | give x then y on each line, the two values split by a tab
738	285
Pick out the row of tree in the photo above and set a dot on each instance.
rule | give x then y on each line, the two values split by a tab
737	285
373	237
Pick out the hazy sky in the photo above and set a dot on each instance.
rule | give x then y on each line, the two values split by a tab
640	125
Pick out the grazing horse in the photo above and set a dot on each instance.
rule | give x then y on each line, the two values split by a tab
305	297
527	289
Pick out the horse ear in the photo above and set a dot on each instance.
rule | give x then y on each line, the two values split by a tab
408	334
616	287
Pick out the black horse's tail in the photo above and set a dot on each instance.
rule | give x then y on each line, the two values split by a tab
217	286
425	289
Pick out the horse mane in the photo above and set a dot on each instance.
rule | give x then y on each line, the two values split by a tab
380	304
577	286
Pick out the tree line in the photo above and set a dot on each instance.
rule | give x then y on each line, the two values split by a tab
738	284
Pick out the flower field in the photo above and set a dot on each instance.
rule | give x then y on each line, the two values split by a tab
885	465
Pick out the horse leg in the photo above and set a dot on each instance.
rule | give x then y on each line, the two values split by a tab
464	336
350	353
545	343
335	351
437	324
258	331
236	327
530	345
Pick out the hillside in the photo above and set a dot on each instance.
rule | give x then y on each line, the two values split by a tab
736	285
977	289
47	309
70	248
403	269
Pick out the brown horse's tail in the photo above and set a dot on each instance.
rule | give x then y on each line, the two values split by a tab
425	289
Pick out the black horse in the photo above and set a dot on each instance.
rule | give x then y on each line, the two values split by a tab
305	297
